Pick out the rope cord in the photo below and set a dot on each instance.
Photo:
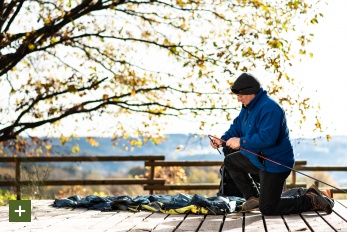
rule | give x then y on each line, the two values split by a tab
224	144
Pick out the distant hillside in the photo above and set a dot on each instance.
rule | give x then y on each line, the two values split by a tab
194	148
333	152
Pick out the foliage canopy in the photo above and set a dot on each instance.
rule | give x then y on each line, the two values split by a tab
152	59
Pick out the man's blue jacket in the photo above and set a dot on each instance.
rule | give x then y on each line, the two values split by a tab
262	126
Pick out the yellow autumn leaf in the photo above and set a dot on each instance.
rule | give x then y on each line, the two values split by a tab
318	125
328	137
53	40
75	149
31	46
93	142
133	92
64	139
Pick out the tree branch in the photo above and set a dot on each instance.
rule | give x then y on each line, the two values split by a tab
20	4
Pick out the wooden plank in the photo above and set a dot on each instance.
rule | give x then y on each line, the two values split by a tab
275	224
48	218
85	221
233	222
4	213
212	223
45	205
254	222
295	223
149	223
191	223
315	222
97	219
170	223
340	208
130	222
336	222
111	222
73	222
43	217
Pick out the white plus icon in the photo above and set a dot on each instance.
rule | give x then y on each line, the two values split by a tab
20	211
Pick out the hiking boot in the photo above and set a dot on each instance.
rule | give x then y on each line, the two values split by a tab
251	204
328	193
325	194
318	201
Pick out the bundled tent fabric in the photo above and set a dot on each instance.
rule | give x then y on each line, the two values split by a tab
169	204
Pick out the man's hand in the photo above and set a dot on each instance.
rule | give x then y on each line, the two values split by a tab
215	143
234	143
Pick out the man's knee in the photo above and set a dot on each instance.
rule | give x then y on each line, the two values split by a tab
230	159
267	209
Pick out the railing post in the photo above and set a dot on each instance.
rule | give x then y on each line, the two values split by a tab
151	176
293	178
17	181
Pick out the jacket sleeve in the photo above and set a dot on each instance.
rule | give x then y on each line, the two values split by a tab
234	130
269	128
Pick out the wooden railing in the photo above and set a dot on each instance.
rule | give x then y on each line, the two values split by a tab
300	165
197	186
151	183
17	183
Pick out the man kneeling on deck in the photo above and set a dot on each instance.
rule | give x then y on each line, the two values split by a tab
261	129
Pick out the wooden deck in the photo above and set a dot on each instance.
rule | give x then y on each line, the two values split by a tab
48	218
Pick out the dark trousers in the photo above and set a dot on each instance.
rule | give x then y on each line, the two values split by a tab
240	167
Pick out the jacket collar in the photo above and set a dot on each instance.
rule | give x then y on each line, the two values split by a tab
251	105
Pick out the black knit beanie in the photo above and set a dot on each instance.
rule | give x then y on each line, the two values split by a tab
246	84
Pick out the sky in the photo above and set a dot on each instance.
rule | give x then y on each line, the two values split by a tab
323	77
